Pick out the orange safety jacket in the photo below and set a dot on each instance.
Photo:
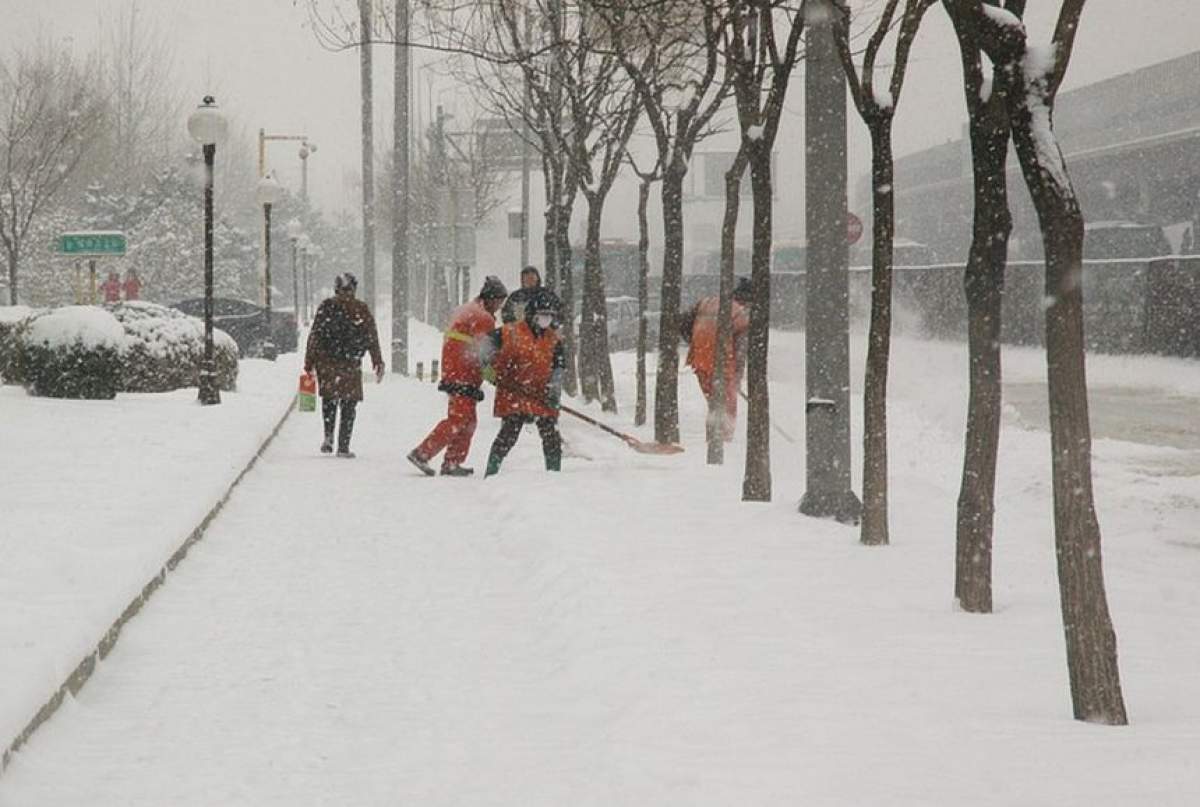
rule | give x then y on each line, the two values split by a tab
702	351
525	362
463	346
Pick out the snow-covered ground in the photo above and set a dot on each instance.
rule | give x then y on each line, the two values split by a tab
628	631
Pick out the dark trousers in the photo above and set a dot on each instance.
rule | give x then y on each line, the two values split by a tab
510	430
329	411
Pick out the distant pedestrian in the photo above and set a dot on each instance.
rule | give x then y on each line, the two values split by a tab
464	353
132	285
529	363
111	288
342	331
531	283
702	349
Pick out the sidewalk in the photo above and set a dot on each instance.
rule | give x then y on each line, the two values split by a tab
94	498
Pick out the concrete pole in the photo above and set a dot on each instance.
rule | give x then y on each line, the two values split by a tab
400	215
368	156
827	299
526	156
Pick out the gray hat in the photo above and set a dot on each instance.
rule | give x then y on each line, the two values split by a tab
493	289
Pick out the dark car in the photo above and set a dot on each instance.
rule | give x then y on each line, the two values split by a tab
246	323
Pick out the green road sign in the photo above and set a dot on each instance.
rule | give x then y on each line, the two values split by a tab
95	244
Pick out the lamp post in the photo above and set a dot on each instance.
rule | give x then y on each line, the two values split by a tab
306	148
305	244
206	125
269	193
315	253
294	231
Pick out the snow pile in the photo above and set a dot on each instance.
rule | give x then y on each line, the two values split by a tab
12	314
164	348
71	352
83	325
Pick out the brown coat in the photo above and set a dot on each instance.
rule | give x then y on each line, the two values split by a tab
342	330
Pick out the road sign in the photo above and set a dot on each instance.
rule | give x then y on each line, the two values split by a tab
92	244
854	228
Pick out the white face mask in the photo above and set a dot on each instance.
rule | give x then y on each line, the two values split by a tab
543	321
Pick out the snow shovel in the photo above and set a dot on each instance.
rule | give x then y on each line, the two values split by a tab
778	428
629	440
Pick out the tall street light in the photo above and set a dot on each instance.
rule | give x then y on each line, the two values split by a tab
314	253
294	231
269	193
207	125
306	148
306	246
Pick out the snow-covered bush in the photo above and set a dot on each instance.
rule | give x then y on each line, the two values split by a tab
71	352
13	319
164	348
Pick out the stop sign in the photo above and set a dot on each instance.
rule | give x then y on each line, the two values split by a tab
854	228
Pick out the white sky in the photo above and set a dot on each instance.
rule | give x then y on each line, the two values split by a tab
267	69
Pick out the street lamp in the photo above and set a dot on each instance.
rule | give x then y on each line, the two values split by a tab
294	231
306	148
269	192
207	125
305	244
314	254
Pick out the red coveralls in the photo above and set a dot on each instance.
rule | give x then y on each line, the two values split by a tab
462	378
702	354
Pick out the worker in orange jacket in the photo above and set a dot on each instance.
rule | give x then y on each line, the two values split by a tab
702	350
465	350
529	363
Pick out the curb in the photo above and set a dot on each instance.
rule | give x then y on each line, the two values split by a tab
83	671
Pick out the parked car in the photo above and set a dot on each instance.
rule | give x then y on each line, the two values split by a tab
246	323
621	316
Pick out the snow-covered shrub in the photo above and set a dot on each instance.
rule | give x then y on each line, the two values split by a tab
13	319
164	348
72	352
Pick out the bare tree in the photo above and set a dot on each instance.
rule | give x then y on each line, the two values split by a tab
714	430
672	51
50	110
878	107
763	49
646	179
1037	74
983	281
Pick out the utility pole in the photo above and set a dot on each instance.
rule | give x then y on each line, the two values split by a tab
400	219
827	300
368	156
526	156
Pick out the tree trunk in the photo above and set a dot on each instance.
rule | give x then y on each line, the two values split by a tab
983	283
400	194
562	251
756	485
666	387
874	531
1090	638
12	276
593	331
714	425
639	411
368	157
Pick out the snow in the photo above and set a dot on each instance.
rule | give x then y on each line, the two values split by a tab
14	313
84	324
167	332
755	132
1002	17
882	96
625	632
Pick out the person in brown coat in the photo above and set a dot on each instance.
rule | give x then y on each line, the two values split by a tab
342	330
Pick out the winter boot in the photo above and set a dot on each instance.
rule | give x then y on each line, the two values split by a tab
456	470
327	446
493	466
346	454
554	462
419	461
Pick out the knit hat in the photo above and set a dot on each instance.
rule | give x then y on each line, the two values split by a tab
493	289
345	282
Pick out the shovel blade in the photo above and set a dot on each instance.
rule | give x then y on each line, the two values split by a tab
655	448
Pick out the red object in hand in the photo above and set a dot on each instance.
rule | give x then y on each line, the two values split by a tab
308	384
